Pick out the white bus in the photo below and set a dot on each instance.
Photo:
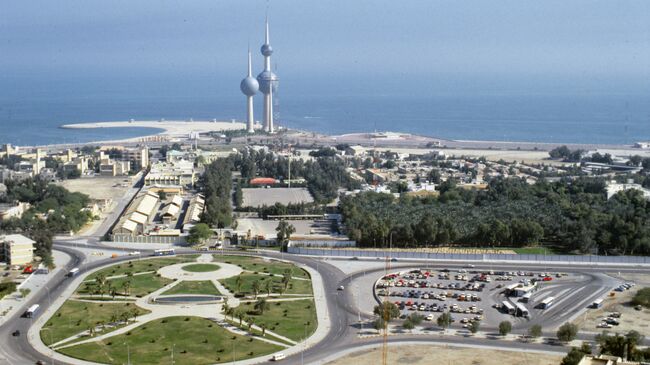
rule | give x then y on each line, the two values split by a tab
29	313
546	303
522	311
597	303
526	297
164	252
508	308
73	272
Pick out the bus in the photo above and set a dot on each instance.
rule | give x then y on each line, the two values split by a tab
73	272
546	303
526	297
508	308
522	311
164	252
597	303
29	313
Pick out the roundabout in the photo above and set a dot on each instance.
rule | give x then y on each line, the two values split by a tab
239	308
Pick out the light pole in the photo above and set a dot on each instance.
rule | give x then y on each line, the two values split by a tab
128	354
49	330
173	353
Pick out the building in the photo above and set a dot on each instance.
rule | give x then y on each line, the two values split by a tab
139	213
179	173
16	249
268	82
13	210
3	190
249	86
139	156
76	164
605	360
644	145
110	167
194	211
613	188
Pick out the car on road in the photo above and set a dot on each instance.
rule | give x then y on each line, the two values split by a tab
134	253
16	333
341	287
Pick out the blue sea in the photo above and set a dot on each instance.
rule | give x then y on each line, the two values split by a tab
34	118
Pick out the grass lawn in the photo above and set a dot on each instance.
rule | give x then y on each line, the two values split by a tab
289	319
143	265
195	341
140	284
295	286
74	317
193	287
201	267
258	264
534	251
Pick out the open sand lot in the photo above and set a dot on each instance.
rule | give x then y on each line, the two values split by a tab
267	228
256	197
425	355
99	187
631	319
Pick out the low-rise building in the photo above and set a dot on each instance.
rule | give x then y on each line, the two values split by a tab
13	210
180	173
605	360
16	249
613	188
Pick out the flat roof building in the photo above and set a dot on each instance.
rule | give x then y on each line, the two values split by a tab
16	249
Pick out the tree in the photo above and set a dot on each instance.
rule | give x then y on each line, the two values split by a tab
387	311
268	286
261	305
567	332
126	286
263	327
24	292
444	320
379	324
199	234
284	231
504	328
256	286
535	331
239	281
642	297
574	355
415	318
408	324
474	327
240	314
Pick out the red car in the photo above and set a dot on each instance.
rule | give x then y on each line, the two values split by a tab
547	278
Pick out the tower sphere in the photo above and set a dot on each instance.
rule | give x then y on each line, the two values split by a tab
265	80
266	50
249	86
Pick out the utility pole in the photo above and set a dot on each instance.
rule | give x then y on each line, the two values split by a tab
173	353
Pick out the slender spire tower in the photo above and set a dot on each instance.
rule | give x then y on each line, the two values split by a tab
249	87
268	82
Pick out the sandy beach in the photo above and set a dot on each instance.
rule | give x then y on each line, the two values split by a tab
171	128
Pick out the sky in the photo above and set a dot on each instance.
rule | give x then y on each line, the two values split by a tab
363	46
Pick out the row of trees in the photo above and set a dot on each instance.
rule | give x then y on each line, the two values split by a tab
623	346
217	186
571	215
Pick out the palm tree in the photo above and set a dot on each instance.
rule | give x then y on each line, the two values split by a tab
225	308
261	305
251	322
240	314
114	318
124	316
256	288
268	286
263	327
126	285
134	313
231	312
285	280
238	283
101	281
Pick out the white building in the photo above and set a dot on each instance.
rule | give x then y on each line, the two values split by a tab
16	249
613	188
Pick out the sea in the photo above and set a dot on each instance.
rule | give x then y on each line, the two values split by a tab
35	119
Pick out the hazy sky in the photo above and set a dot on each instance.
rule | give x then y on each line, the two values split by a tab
419	47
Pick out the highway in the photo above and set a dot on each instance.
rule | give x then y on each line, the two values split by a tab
343	312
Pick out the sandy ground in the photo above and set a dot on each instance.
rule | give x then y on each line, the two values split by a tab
631	319
99	187
267	228
174	128
256	197
425	355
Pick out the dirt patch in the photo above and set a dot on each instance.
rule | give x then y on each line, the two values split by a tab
425	355
99	187
631	319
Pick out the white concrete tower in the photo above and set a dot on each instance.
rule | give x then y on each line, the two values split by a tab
249	87
268	82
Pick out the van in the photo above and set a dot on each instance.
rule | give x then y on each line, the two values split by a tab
278	357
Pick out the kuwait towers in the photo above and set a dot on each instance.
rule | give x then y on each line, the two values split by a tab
249	87
268	82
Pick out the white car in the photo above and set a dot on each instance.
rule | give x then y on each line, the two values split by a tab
340	287
603	325
134	253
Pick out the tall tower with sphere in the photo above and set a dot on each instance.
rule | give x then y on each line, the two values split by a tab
268	82
249	87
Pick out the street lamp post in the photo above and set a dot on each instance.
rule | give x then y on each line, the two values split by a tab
49	330
128	354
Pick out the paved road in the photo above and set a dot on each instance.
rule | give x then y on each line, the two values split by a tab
341	305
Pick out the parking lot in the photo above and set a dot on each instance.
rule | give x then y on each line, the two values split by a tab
487	296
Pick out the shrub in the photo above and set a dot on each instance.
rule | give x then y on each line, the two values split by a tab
642	297
567	332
